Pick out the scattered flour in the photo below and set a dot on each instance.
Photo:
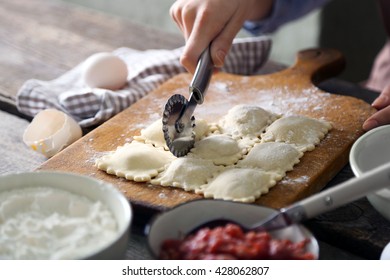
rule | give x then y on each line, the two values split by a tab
48	223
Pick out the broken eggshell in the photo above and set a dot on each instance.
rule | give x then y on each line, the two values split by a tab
105	70
50	131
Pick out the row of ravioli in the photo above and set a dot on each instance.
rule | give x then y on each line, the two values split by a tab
238	158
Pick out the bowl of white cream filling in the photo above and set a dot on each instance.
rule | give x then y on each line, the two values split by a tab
55	215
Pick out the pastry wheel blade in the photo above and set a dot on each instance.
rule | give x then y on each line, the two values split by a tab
177	126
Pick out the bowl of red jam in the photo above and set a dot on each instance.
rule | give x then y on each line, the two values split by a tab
171	235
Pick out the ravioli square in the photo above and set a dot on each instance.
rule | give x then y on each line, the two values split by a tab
240	157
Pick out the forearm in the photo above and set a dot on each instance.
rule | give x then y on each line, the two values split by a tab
262	9
281	12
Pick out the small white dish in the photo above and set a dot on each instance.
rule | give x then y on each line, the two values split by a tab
385	255
59	212
372	150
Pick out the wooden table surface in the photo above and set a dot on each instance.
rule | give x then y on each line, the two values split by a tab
42	39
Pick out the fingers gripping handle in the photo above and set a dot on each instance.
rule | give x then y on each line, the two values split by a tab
202	77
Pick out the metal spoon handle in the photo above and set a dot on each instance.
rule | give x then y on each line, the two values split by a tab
339	195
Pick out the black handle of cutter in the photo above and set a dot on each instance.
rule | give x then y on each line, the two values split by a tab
202	76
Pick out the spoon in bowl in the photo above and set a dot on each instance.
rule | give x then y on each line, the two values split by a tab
320	203
187	218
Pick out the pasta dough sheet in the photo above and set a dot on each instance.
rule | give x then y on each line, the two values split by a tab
238	158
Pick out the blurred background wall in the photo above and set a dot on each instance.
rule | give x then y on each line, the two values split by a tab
351	26
355	28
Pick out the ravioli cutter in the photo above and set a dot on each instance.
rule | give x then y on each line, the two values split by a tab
178	120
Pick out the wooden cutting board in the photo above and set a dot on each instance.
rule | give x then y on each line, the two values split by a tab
290	91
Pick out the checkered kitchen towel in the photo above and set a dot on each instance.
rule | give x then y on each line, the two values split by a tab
147	70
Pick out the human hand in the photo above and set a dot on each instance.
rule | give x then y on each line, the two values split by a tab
216	21
382	117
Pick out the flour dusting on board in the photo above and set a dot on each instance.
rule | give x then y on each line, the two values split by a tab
294	181
222	86
279	101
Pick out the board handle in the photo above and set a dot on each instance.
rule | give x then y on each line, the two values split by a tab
318	64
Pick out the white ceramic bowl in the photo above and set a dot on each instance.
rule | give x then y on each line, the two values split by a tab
179	221
372	150
385	255
114	203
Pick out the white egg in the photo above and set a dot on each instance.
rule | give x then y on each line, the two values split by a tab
105	70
